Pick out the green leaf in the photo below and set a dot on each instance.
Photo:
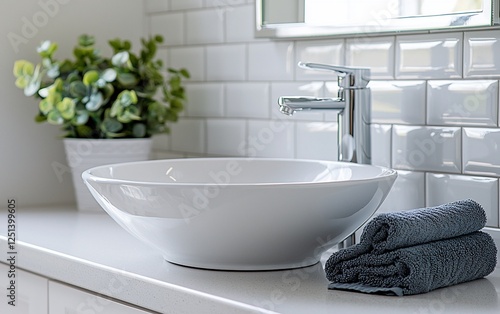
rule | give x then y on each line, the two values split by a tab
176	104
23	67
22	81
127	45
111	125
77	89
127	79
80	118
185	73
34	83
109	75
46	49
115	44
158	38
129	97
120	58
175	82
84	131
66	108
40	118
90	77
53	71
86	40
95	102
116	109
107	90
45	106
55	118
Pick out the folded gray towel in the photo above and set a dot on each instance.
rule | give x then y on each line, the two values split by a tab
416	251
415	269
390	231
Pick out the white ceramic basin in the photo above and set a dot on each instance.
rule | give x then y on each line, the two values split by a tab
240	214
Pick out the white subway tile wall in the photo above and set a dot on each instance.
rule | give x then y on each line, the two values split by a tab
205	99
435	99
429	56
374	53
399	102
481	57
462	102
442	188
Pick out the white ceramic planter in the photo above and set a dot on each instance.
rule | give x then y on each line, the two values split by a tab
82	154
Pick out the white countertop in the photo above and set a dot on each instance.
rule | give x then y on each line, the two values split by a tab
92	252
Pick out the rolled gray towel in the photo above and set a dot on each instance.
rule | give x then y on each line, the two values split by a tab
415	269
390	231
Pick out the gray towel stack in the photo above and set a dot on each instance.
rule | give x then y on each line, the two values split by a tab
416	251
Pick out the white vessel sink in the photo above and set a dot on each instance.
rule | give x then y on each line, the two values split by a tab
237	213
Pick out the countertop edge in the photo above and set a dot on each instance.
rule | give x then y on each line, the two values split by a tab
107	281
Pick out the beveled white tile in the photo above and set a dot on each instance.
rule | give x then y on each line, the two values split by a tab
408	192
153	6
481	151
218	141
481	57
443	188
170	26
271	61
247	100
316	140
236	31
297	89
400	102
426	148
226	62
318	51
185	4
429	56
191	58
376	53
204	27
462	103
268	138
188	136
381	144
205	100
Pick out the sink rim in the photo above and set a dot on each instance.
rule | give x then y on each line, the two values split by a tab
89	174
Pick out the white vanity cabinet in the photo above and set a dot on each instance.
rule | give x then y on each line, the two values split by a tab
65	299
35	294
28	290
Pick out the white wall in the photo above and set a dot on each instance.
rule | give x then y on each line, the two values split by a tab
29	150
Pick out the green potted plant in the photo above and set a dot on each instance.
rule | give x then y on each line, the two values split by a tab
126	98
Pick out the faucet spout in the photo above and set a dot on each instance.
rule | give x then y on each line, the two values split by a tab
290	104
353	106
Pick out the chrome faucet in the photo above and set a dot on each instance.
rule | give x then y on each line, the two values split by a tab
353	102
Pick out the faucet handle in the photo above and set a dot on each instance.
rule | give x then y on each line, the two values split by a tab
350	77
